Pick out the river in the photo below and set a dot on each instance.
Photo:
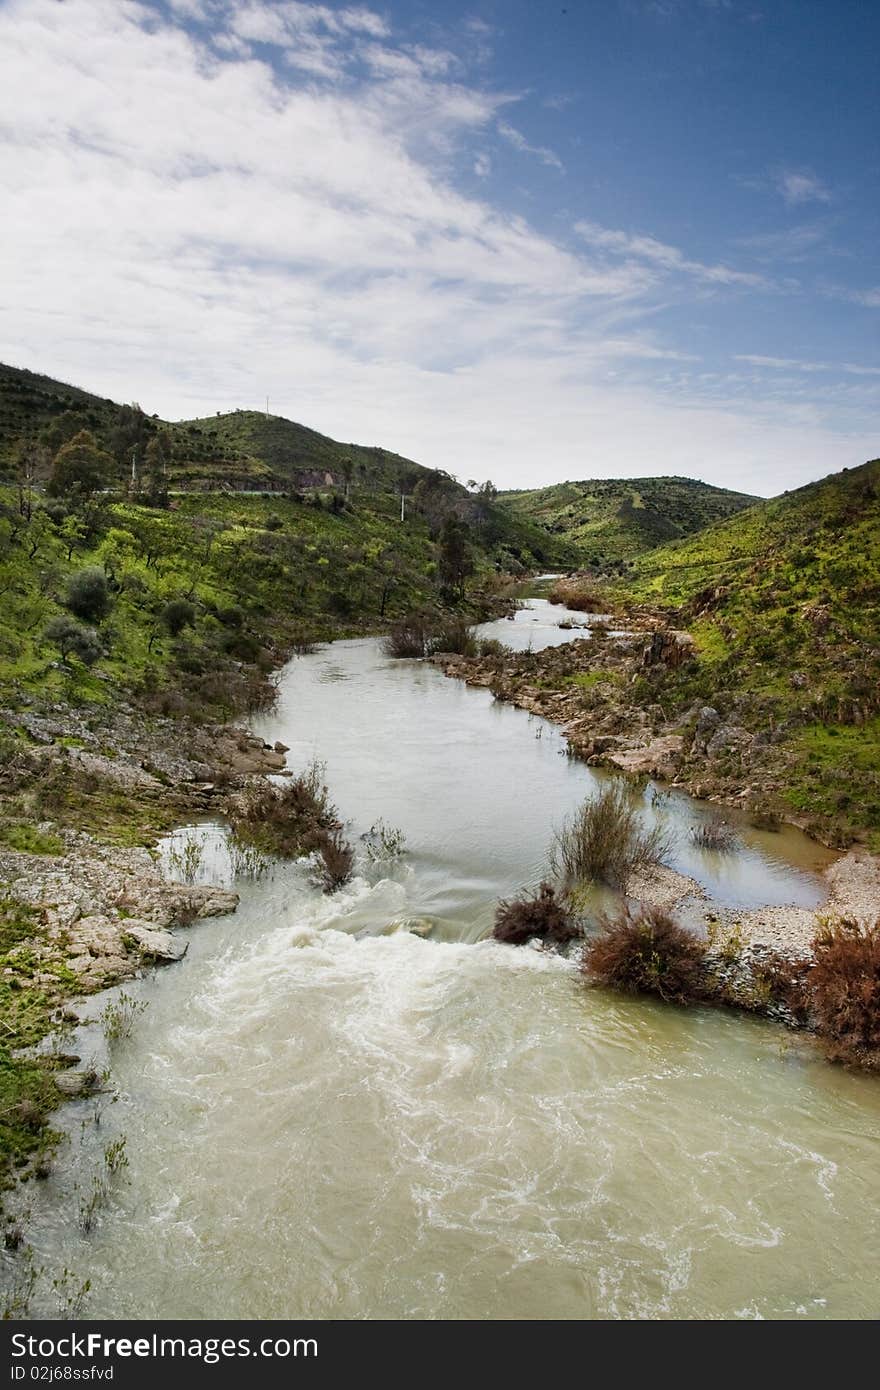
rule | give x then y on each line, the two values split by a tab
330	1115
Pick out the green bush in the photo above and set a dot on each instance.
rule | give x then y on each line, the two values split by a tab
88	595
177	615
605	840
72	639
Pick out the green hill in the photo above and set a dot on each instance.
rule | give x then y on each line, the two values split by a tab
243	451
784	603
610	520
240	449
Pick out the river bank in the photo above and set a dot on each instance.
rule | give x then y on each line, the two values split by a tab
85	905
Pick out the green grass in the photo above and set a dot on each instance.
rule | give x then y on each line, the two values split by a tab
29	839
784	603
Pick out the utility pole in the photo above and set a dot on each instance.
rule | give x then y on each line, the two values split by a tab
133	470
267	407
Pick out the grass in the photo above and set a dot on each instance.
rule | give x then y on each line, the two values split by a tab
28	1012
29	839
605	840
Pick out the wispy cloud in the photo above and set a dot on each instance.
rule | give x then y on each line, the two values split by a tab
788	243
795	364
666	258
801	186
519	142
251	197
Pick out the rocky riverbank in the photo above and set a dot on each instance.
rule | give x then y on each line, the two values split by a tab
84	902
604	692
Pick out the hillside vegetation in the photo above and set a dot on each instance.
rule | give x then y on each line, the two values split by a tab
613	520
201	584
784	604
240	449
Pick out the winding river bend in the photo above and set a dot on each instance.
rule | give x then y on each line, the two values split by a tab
358	1107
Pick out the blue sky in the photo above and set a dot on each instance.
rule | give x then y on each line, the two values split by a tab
516	241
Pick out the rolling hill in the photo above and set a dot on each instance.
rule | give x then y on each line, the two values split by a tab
241	449
614	519
246	451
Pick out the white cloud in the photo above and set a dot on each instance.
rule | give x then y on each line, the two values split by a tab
657	253
192	222
519	142
869	299
787	244
798	365
801	186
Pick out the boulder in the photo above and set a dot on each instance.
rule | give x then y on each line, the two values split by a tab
155	943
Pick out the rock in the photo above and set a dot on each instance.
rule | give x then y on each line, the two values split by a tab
668	647
156	944
73	1084
728	737
659	758
281	747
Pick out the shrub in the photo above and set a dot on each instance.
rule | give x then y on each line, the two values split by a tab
605	840
490	646
231	617
288	821
714	833
453	636
177	615
580	597
71	638
303	644
88	595
844	988
337	860
407	637
647	952
534	914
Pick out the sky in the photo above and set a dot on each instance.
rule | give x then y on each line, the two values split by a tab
516	241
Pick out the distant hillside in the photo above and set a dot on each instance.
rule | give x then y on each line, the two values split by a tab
608	520
241	449
245	451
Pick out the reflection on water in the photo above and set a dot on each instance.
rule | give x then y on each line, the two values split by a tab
331	1116
536	626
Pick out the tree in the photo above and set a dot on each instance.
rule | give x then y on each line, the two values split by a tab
483	504
71	638
157	459
129	436
177	615
80	468
62	429
88	595
455	560
346	468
